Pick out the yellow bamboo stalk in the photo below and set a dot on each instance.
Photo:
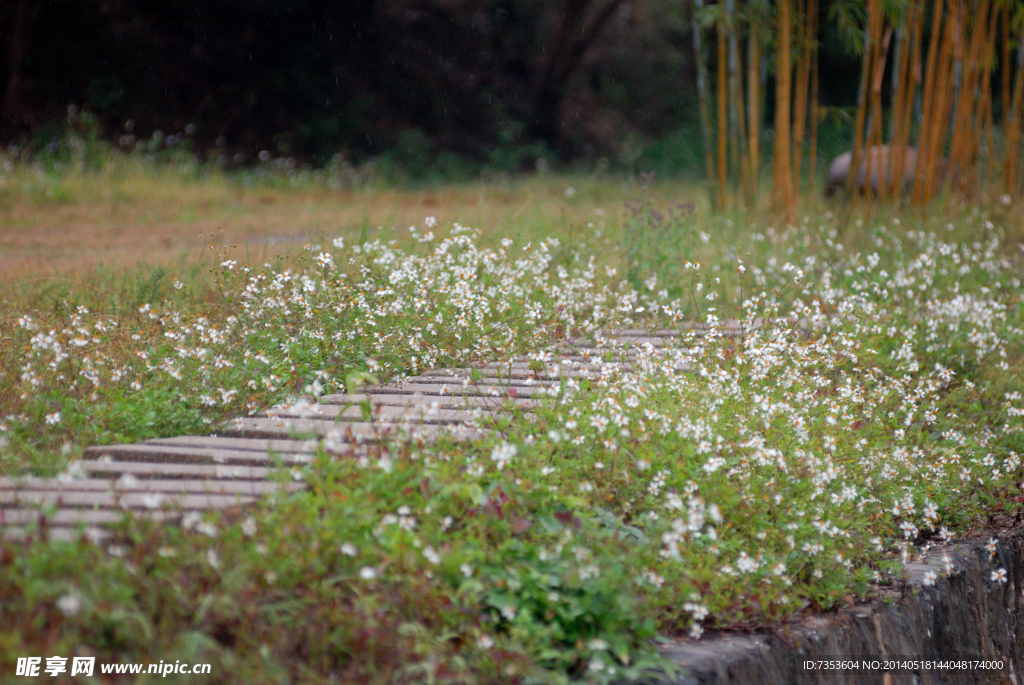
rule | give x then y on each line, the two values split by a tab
876	21
985	106
963	146
803	77
783	88
914	83
702	96
927	115
987	116
979	96
1004	90
902	71
862	100
813	152
737	121
754	105
1013	129
878	162
723	122
952	46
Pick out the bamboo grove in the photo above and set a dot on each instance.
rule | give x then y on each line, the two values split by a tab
938	104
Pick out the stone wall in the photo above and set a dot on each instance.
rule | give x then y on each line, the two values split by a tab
964	616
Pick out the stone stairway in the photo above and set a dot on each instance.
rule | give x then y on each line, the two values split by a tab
167	478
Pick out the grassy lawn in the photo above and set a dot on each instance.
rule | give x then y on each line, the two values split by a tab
872	404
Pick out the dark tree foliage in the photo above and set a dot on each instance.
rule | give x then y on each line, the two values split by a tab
311	78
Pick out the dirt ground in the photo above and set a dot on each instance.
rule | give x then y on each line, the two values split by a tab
65	227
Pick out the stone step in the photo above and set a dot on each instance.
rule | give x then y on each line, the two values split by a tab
129	483
71	517
235	465
147	452
463	377
263	445
455	388
146	470
632	340
354	432
442	401
55	533
128	500
384	414
518	373
659	332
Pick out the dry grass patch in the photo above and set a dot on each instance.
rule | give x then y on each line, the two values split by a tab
132	214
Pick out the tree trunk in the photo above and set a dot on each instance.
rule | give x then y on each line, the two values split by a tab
570	44
24	16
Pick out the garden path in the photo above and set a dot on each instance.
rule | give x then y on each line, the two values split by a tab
170	478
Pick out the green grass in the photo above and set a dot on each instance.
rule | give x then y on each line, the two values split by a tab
790	468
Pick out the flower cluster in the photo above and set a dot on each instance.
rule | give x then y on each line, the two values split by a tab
373	308
810	444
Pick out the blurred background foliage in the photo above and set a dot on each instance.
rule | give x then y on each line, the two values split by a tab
447	89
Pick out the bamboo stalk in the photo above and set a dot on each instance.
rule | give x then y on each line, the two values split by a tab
879	161
783	88
951	47
862	99
976	96
910	70
985	105
702	94
914	86
927	115
812	161
734	156
736	118
1004	90
963	152
803	77
1013	129
898	51
754	106
989	150
723	123
900	77
876	21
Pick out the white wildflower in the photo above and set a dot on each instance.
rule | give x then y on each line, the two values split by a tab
502	454
70	604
